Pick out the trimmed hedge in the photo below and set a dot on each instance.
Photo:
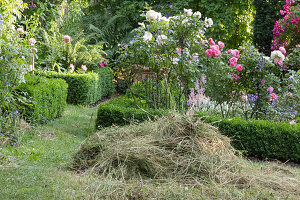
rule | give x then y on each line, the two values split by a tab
261	138
121	111
85	88
47	98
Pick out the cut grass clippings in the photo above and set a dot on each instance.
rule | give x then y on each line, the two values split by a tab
37	167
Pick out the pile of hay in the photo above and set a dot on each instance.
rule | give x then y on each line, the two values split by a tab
171	147
181	150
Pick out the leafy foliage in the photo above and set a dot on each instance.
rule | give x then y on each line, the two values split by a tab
14	61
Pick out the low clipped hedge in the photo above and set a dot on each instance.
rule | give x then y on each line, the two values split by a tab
46	98
261	138
121	111
85	88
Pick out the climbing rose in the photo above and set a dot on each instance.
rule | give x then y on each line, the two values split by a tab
84	67
221	44
67	39
32	41
239	68
72	67
274	96
270	89
211	41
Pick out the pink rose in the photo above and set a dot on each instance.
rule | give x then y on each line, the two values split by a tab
203	43
178	50
274	96
270	89
32	41
239	68
290	95
72	67
84	67
211	41
282	49
209	52
189	61
216	53
101	64
229	51
236	77
262	82
236	53
221	44
67	39
233	61
214	47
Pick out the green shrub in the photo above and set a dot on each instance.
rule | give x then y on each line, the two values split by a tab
260	138
85	88
105	83
121	111
47	98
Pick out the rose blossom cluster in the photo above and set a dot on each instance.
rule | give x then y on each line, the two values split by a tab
102	64
278	56
281	27
233	62
214	49
273	95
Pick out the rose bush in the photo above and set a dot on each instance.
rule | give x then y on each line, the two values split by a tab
169	49
15	61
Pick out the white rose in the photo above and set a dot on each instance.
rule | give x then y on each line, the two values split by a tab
188	12
152	15
20	30
185	21
160	39
197	14
266	57
277	55
165	19
195	56
147	36
208	22
175	61
142	24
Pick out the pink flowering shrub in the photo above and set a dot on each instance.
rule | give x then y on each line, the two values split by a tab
286	32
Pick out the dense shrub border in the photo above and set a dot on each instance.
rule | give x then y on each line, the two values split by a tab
47	98
121	111
85	88
260	138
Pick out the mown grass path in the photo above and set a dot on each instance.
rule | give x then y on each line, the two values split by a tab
36	168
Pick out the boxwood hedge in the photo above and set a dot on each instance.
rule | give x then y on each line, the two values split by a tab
121	111
261	138
46	98
85	88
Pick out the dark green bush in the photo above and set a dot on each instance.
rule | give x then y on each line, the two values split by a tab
267	12
47	98
85	88
121	111
260	138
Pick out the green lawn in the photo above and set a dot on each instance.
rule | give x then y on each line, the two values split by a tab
37	169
